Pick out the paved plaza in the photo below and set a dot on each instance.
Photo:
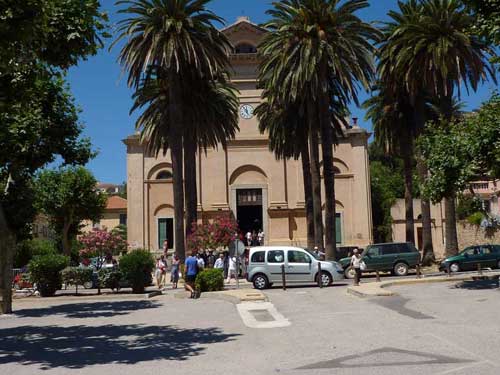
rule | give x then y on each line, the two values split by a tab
425	329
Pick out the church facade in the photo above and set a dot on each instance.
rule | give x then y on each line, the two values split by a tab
246	179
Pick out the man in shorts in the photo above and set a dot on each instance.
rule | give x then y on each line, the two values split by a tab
191	270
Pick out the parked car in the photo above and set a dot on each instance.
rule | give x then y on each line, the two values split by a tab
397	258
470	257
301	267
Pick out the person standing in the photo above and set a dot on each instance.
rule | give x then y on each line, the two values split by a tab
248	238
219	263
210	259
174	271
260	237
191	270
165	248
201	262
356	265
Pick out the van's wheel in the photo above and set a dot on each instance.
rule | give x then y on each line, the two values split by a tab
326	279
401	269
454	267
349	273
88	284
260	281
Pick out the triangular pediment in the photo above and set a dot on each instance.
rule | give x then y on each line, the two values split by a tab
243	30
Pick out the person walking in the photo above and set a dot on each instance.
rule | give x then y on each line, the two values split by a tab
356	265
191	270
160	269
231	270
174	271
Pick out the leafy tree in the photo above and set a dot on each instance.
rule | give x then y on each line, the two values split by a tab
317	55
444	56
459	152
68	196
175	43
487	20
40	40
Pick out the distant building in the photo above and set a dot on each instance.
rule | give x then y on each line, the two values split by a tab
246	179
487	191
114	214
110	189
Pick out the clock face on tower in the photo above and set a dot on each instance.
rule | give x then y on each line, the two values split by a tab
246	111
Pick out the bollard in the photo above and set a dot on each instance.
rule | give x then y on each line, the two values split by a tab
377	275
283	277
479	269
319	275
419	274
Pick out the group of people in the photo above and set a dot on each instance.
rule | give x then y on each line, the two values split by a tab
195	263
254	238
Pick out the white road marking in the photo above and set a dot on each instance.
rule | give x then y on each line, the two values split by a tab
245	310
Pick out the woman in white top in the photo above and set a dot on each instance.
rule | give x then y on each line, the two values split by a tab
219	263
356	265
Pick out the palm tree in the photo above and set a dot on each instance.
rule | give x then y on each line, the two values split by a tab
211	119
443	57
318	54
288	139
169	40
392	119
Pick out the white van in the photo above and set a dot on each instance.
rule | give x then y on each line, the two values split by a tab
301	267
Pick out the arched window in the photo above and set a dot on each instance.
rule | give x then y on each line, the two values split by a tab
164	175
245	48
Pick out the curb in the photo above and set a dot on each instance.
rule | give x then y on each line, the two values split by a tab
234	296
377	289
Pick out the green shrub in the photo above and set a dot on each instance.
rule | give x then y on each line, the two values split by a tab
210	280
467	206
27	249
76	276
136	267
110	278
476	218
45	271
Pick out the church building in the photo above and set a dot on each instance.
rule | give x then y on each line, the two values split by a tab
246	179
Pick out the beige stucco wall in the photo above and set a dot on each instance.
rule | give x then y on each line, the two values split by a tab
110	220
248	163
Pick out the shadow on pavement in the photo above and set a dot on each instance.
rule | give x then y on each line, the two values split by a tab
80	346
478	284
89	309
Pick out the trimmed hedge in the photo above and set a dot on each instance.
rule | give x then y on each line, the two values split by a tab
76	276
45	271
137	267
210	280
110	278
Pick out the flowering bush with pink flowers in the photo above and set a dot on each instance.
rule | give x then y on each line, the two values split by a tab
215	235
101	243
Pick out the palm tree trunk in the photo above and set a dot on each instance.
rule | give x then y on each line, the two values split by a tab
316	186
329	183
190	192
425	205
7	250
451	247
407	151
175	140
308	196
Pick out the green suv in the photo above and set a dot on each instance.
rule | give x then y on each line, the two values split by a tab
468	259
397	258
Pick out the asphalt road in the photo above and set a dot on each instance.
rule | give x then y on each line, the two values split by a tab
427	329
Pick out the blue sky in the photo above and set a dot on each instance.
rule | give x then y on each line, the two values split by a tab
101	91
